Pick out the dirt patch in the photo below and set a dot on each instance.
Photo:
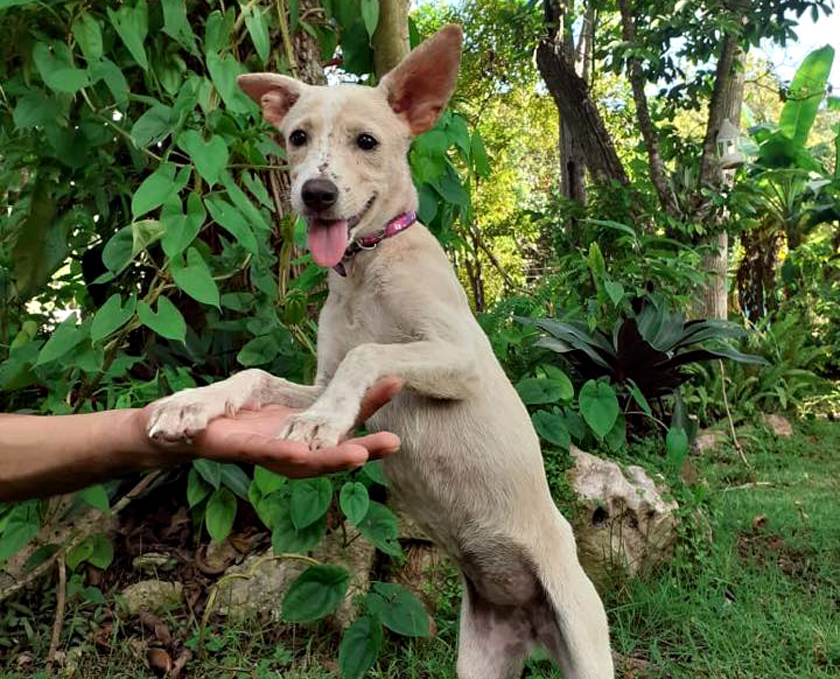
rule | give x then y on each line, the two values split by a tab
766	549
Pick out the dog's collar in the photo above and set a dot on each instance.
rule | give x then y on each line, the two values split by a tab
397	225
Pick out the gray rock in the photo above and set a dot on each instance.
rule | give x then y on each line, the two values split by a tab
777	424
262	592
625	525
153	596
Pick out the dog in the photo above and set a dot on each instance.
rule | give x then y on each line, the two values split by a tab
470	471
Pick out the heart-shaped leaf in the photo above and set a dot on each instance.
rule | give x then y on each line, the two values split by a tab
310	501
195	279
316	593
210	157
599	407
111	316
354	501
166	322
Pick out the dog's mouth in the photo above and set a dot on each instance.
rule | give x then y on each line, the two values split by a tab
328	238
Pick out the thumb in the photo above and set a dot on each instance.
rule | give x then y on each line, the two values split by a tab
377	396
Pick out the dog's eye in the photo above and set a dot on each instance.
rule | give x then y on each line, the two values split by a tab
366	142
298	138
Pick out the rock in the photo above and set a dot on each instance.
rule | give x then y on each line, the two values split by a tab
152	562
263	592
153	596
625	524
707	440
777	424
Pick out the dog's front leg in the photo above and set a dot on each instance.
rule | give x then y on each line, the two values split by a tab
433	368
186	413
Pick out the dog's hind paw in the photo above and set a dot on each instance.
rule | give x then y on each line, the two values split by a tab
313	429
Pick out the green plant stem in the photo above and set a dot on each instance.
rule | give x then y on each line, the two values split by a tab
214	591
287	37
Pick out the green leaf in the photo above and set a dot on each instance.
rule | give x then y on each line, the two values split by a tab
153	126
639	397
223	73
375	472
220	514
114	79
268	481
310	500
258	351
316	593
21	526
595	260
617	436
354	501
58	75
132	25
399	610
96	497
80	553
359	647
154	190
370	15
676	448
210	157
381	527
479	155
181	229
258	30
88	34
197	488
103	553
286	538
195	279
166	322
210	471
552	427
615	291
294	14
539	390
232	220
237	480
598	406
111	316
65	337
805	95
177	25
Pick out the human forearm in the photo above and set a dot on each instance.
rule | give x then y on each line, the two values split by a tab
41	456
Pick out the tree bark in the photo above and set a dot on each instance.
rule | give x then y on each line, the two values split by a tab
390	39
578	111
658	175
714	302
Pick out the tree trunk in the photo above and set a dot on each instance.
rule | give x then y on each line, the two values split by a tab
714	302
578	111
390	39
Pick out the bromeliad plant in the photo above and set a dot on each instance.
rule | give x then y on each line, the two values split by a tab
641	360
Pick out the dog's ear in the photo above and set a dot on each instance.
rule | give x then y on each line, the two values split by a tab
420	86
275	94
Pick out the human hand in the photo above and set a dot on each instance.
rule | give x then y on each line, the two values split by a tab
250	437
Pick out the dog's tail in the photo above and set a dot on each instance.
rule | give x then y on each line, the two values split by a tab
573	626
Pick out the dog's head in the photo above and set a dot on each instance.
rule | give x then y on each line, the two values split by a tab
347	144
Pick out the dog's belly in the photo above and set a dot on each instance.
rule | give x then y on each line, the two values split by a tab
462	474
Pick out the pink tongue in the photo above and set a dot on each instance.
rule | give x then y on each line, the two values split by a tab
327	241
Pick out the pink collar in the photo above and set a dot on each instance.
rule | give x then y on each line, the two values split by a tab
370	241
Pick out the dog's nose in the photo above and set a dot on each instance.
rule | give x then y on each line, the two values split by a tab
319	194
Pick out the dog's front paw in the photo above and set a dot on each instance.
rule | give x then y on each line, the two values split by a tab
182	416
314	429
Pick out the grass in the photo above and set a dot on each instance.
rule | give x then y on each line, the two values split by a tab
761	601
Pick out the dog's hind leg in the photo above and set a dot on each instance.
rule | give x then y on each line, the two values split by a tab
494	640
568	619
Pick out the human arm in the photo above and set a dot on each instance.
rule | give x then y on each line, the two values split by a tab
41	456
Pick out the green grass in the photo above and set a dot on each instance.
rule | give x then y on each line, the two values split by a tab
761	601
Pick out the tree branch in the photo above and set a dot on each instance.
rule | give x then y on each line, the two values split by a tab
649	134
571	95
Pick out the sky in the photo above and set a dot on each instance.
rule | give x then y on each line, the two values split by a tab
811	35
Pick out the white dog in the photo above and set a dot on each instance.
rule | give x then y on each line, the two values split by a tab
470	471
